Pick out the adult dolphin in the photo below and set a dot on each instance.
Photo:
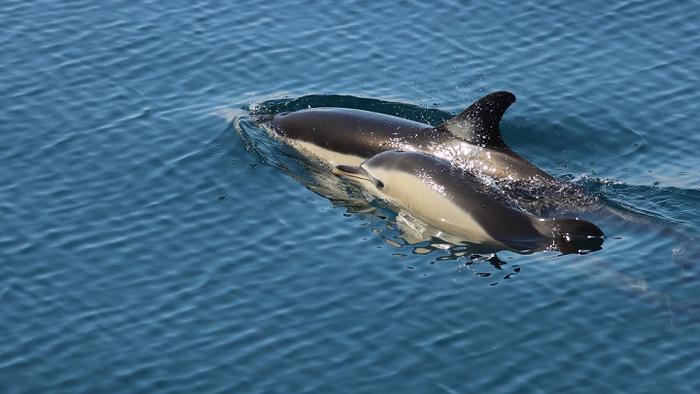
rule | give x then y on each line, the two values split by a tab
471	139
455	201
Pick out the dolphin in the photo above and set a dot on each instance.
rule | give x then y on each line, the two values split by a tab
457	202
471	139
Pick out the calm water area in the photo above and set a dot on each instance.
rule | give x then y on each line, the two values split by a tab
152	241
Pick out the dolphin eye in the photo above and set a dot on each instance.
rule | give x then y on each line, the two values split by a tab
379	184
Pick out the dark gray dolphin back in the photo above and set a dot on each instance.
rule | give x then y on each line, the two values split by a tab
349	131
363	133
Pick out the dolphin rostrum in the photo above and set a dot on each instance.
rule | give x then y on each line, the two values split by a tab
471	140
456	202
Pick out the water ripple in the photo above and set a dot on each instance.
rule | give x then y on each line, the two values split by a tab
147	247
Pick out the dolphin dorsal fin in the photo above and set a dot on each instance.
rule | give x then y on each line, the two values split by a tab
478	124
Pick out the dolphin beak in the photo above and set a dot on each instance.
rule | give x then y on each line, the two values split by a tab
351	172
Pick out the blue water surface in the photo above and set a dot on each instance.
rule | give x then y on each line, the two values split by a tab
148	246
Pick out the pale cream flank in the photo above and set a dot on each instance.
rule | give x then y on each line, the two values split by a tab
331	157
428	203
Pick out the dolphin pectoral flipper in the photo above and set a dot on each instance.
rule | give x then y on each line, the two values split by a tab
343	169
357	172
479	123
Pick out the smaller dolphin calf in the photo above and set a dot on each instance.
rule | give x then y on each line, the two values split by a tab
455	201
